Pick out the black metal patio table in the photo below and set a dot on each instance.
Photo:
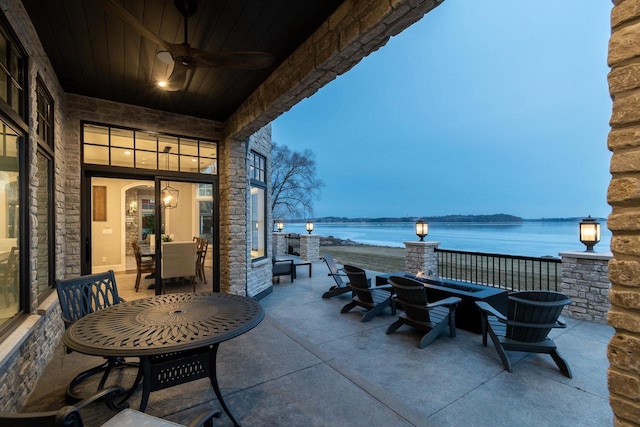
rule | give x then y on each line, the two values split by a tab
176	336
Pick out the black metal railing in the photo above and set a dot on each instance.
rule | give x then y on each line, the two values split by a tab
293	244
512	272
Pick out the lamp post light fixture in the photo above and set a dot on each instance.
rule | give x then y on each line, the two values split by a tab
279	226
422	229
589	233
309	226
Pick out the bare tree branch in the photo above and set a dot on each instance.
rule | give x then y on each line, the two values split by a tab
293	182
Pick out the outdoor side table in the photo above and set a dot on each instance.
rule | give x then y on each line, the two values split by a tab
176	336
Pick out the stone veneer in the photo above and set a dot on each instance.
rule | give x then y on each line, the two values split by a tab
310	247
585	279
624	220
279	243
421	258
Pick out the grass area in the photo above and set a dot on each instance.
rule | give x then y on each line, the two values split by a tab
377	258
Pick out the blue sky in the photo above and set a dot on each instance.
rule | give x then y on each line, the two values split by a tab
482	107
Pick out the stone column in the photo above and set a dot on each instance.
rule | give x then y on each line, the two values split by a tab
310	247
585	279
421	258
279	243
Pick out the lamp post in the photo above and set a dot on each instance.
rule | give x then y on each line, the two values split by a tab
589	233
422	229
279	226
309	226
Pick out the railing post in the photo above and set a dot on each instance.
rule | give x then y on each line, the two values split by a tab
279	243
421	258
585	279
310	247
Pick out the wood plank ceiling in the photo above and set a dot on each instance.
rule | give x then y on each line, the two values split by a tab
95	54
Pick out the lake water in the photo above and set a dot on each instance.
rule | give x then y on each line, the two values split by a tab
528	238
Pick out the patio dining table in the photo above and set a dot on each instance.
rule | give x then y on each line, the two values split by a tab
176	336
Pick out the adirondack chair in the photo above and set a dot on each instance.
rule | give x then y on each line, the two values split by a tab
530	317
79	297
373	298
432	318
70	415
338	274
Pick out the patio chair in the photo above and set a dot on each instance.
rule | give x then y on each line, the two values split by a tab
179	261
283	267
9	276
530	317
373	298
341	286
432	318
203	245
79	297
70	415
142	266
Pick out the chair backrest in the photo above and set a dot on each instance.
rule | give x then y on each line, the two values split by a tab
203	244
178	259
541	308
333	270
136	253
358	282
85	294
413	297
11	270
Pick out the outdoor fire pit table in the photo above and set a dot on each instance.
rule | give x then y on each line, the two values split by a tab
467	313
176	336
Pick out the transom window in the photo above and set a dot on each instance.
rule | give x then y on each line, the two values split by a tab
12	77
114	146
45	114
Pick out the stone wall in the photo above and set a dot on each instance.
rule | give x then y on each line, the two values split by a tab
27	349
624	220
585	279
421	258
310	247
259	271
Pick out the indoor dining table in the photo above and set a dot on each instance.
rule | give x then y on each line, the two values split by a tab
176	336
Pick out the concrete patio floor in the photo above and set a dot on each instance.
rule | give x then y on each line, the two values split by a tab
308	365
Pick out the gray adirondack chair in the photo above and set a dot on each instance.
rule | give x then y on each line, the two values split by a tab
373	298
432	318
530	317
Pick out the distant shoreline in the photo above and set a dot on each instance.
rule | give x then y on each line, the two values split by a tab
488	219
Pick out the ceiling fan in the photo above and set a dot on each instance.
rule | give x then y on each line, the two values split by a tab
186	59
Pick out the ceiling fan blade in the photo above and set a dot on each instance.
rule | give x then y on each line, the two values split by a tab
235	60
131	21
180	78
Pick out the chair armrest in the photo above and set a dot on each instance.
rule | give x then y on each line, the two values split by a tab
488	309
447	302
205	417
387	287
561	323
108	394
337	274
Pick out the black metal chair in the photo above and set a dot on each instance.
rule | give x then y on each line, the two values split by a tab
432	318
341	286
373	298
70	415
283	267
81	296
530	317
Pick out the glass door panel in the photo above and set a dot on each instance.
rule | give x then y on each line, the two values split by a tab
186	212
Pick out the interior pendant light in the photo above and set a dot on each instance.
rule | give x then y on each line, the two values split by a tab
169	195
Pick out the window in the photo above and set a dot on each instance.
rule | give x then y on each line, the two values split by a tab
44	189
9	223
12	74
258	202
130	148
